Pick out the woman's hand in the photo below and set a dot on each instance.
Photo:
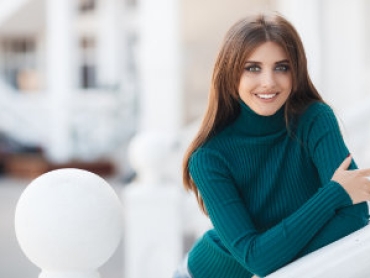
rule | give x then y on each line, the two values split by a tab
355	182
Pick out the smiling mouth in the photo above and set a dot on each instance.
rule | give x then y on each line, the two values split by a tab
266	96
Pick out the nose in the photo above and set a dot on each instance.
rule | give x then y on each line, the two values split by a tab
268	79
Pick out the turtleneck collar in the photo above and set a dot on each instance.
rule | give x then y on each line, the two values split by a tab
252	124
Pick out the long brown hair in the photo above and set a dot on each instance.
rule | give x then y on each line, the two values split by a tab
223	102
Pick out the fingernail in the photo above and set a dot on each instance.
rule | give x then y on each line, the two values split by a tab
349	155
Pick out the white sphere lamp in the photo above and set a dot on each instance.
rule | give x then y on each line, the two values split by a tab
68	222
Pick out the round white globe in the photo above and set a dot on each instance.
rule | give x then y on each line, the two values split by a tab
148	152
68	220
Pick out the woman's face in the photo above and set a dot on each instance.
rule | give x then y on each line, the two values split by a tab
266	81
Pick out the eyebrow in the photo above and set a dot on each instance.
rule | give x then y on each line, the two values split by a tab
285	61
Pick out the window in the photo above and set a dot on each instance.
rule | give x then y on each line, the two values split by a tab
86	6
19	63
87	75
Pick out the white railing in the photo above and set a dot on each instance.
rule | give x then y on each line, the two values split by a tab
99	121
68	222
348	257
22	116
156	209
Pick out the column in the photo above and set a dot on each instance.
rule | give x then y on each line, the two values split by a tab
153	237
60	75
344	28
159	65
306	18
109	43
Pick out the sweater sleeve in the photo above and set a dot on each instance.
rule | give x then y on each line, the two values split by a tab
322	136
261	252
327	149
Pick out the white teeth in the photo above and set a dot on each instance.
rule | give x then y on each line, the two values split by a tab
266	96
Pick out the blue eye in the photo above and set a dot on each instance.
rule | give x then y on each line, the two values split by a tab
253	68
282	68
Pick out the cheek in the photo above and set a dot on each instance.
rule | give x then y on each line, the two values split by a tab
245	83
239	87
286	83
290	82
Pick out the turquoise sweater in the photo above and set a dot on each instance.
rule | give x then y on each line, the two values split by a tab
269	193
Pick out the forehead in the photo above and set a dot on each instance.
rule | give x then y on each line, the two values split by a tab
268	52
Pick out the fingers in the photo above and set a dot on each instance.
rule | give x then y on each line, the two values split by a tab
345	164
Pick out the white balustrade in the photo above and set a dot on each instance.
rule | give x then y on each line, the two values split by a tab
152	210
68	222
348	257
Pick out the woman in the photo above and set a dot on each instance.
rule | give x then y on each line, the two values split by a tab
269	165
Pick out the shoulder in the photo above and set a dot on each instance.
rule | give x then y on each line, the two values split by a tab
318	119
206	164
214	153
317	109
207	155
317	113
218	143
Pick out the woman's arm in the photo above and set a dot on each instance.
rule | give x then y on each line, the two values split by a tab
260	252
327	149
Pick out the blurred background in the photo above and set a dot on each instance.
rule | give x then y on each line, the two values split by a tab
80	79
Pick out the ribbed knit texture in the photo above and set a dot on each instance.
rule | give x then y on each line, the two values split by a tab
268	193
